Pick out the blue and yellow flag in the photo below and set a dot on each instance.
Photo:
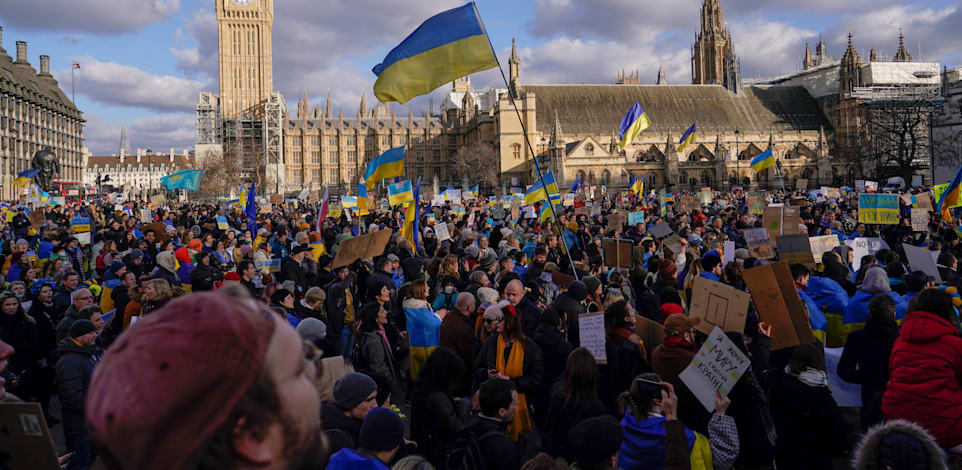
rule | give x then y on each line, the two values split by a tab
25	176
363	203
576	186
537	190
424	333
183	179
349	202
632	124
389	164
951	193
763	160
447	46
410	228
687	138
399	193
547	212
637	186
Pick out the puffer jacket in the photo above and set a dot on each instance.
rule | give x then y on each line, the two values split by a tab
924	384
74	369
869	453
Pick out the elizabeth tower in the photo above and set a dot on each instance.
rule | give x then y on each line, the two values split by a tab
244	56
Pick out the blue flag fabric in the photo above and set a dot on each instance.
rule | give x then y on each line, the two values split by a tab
183	179
251	212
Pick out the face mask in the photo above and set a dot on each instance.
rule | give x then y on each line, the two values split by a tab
448	289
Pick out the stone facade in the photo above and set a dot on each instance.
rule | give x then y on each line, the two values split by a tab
947	128
713	60
244	55
137	175
35	113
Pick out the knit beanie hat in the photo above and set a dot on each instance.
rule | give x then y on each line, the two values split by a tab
352	389
381	430
592	283
578	290
117	266
136	253
312	329
81	327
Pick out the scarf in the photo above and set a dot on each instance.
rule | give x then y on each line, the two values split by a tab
514	367
678	342
810	377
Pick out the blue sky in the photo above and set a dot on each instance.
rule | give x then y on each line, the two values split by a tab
145	61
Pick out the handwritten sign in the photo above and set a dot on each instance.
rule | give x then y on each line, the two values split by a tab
673	243
728	252
756	202
781	221
717	366
614	222
864	246
759	245
591	327
442	232
37	218
637	217
822	244
80	224
878	208
920	220
146	215
718	305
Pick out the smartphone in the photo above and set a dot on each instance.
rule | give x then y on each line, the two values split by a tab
650	388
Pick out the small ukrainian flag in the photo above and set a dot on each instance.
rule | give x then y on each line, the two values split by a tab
633	123
25	176
687	138
763	160
399	193
447	46
389	164
637	186
951	193
537	190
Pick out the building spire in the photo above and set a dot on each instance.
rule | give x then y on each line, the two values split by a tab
902	55
124	139
809	62
662	80
872	57
514	71
556	133
363	109
329	111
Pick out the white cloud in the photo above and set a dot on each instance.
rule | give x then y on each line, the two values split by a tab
115	84
158	133
566	60
201	59
936	31
93	16
768	48
628	21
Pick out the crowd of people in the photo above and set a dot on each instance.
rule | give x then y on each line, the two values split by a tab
179	341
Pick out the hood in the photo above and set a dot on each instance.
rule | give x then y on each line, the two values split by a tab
415	303
183	255
867	453
68	346
165	259
925	327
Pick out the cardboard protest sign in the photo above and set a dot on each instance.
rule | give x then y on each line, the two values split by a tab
222	223
781	220
272	265
822	244
27	438
80	224
864	246
660	230
637	217
759	245
37	218
582	210
718	305
617	252
795	248
924	201
717	366
673	243
920	220
756	202
368	245
778	304
442	232
878	208
651	333
591	328
689	202
614	222
160	231
920	259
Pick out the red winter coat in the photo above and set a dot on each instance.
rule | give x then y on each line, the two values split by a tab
925	370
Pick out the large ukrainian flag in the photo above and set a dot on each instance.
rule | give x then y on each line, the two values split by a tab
951	193
399	193
389	164
632	124
537	190
447	46
763	160
687	138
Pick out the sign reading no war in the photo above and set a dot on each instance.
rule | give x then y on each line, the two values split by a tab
878	208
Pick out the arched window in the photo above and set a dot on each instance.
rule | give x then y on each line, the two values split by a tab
606	178
589	150
516	151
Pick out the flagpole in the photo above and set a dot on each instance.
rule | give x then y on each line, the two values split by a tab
524	131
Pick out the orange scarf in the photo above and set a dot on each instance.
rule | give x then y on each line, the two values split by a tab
514	367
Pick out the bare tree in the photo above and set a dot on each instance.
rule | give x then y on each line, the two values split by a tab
897	131
479	163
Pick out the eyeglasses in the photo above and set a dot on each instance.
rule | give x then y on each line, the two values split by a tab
493	320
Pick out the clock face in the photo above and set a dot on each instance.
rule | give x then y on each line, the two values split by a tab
241	2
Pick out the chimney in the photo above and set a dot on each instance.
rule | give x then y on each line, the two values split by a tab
44	66
22	52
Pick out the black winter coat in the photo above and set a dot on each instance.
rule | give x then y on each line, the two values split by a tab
23	335
554	350
203	276
865	359
569	309
562	418
807	421
499	451
530	315
75	367
435	420
333	417
532	367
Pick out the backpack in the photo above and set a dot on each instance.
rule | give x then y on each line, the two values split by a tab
466	453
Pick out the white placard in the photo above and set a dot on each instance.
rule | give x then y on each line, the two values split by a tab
591	330
729	253
716	366
441	230
920	259
864	246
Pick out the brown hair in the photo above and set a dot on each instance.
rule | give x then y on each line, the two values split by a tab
418	290
581	377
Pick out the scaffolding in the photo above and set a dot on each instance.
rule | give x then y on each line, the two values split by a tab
208	119
274	112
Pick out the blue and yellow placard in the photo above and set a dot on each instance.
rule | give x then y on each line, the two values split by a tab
222	223
80	224
878	208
